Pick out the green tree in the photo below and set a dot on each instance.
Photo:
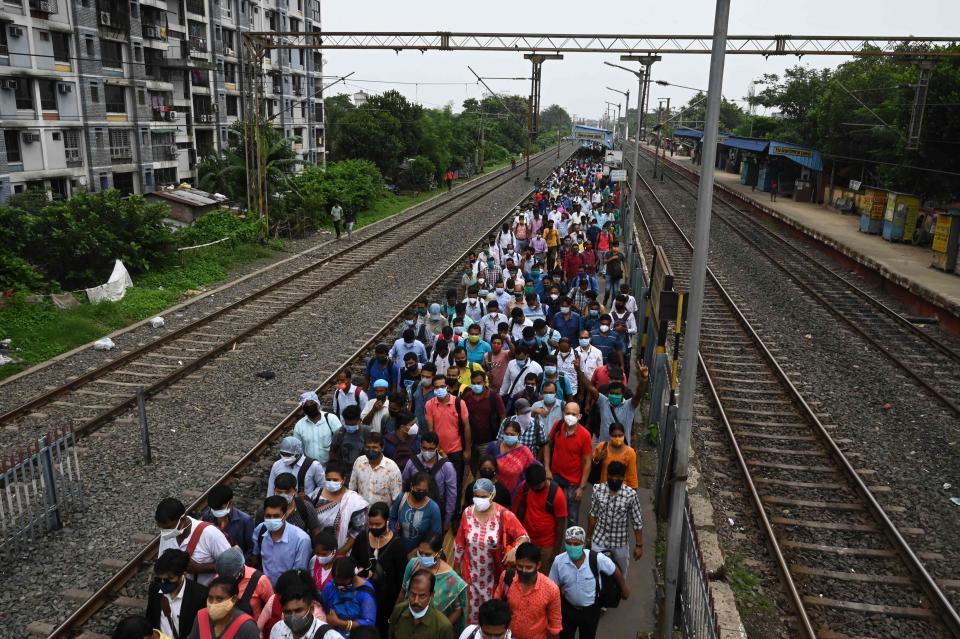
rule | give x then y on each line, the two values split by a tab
419	175
405	113
555	117
370	135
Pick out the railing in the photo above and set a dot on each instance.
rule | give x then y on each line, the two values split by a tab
73	156
696	604
153	32
121	153
198	44
164	114
205	118
116	108
39	487
44	6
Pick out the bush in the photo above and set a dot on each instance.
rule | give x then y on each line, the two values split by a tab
217	225
354	184
419	175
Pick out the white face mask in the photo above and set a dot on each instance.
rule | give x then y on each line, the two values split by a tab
420	614
414	429
482	503
570	420
325	560
220	513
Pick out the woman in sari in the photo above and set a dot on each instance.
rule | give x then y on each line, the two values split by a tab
512	457
450	593
486	541
340	509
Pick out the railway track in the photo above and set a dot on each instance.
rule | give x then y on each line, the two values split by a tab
93	616
847	568
928	361
109	390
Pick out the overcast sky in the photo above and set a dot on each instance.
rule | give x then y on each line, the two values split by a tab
578	83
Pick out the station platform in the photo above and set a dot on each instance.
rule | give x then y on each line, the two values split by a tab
904	265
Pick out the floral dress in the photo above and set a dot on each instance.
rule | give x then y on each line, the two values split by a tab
480	547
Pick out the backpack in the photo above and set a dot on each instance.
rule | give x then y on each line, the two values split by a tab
305	468
244	602
433	489
336	403
608	592
551	497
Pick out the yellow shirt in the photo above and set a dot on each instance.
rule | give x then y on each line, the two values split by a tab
552	237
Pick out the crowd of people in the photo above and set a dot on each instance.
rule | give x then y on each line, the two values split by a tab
442	491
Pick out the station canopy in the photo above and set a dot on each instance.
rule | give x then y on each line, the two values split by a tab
590	134
804	156
684	132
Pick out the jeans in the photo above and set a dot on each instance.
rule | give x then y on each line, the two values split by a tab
621	555
573	619
573	506
611	287
457	460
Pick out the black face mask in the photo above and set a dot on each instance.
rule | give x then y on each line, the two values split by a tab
530	389
615	484
419	495
527	577
488	473
372	455
312	411
452	381
378	532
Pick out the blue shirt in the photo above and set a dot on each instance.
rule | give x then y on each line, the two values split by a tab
239	530
356	603
311	481
578	585
606	343
413	524
420	404
568	327
389	372
291	552
475	353
401	348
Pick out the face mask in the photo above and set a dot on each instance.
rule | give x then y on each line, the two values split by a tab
594	312
333	486
527	577
409	322
421	312
535	273
169	587
488	473
530	388
378	532
458	330
477	388
614	484
326	560
621	307
473	300
482	503
426	382
373	455
549	398
299	624
440	393
273	524
617	441
289	498
352	428
223	512
290	460
499	290
528	289
474	339
604	328
584	343
418	614
414	430
220	610
564	309
549	370
419	495
169	533
574	552
491	263
521	362
428	455
427	562
571	420
510	440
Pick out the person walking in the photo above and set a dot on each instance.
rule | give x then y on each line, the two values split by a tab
774	186
417	617
450	177
534	599
450	593
336	214
615	509
350	218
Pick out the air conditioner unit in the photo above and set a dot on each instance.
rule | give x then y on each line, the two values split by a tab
229	51
15	31
174	115
173	149
8	84
30	137
64	87
105	18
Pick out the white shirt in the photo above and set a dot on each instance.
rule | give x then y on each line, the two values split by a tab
473	632
565	366
376	423
342	399
176	600
475	309
516	330
627	318
632	303
590	360
211	544
488	325
281	631
515	371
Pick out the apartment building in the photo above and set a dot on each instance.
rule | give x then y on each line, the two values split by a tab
98	94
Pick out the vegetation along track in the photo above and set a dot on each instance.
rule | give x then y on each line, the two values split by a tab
923	357
99	395
96	614
846	567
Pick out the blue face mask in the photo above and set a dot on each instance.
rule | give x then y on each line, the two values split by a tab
426	562
594	313
549	370
440	392
615	400
352	428
549	398
273	525
476	388
574	552
510	440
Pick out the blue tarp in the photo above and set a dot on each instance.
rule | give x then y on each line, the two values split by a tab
802	155
688	133
747	144
590	134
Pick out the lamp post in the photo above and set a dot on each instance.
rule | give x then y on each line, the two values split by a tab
626	123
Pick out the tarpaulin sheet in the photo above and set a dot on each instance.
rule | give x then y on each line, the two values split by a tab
757	146
115	288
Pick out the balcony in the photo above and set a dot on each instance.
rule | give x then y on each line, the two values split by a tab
164	113
154	32
121	154
205	118
197	6
44	6
73	157
198	44
165	153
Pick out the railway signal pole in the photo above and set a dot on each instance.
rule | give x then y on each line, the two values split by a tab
533	105
691	346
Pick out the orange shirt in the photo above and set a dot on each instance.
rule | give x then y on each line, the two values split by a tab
535	612
444	421
261	593
627	456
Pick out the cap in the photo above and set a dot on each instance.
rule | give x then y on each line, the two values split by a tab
230	562
381	383
522	406
484	485
576	533
435	311
291	445
309	396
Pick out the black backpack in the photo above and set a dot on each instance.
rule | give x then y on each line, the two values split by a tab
608	592
244	602
551	497
433	489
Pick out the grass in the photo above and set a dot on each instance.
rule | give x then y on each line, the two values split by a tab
755	606
41	331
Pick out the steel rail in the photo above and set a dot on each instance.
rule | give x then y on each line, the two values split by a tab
830	306
91	424
102	596
949	615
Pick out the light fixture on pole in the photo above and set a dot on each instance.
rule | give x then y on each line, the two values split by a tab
626	123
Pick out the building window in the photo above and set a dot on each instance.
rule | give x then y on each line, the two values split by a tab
98	138
120	145
138	53
230	72
232	105
112	54
11	139
61	47
71	145
3	38
48	94
141	97
134	10
115	98
145	137
94	92
24	94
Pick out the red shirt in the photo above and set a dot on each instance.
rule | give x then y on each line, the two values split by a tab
540	524
567	452
601	377
445	422
482	426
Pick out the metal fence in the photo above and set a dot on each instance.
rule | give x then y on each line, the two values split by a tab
697	615
40	485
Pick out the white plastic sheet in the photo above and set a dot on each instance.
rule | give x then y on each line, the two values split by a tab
104	344
157	322
115	288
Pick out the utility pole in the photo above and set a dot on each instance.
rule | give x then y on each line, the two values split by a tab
626	122
533	105
659	129
481	140
558	143
691	343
